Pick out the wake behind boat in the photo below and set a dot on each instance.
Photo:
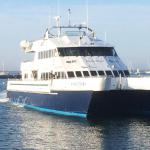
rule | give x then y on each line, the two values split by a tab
74	73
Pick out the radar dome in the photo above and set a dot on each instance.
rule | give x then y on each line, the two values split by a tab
24	44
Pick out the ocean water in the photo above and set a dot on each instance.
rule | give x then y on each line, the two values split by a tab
24	129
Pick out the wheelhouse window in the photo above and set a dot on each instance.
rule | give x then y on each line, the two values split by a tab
116	73
70	74
87	51
93	73
108	73
78	73
101	73
86	73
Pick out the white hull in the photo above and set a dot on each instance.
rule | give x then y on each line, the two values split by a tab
82	84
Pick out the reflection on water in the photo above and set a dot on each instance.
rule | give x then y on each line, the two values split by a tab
25	129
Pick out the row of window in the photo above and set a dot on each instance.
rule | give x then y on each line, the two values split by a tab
87	51
79	74
56	75
76	51
115	73
47	54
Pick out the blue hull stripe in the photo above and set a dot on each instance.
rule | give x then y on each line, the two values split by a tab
56	111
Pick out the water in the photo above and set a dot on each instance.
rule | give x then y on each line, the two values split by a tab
23	129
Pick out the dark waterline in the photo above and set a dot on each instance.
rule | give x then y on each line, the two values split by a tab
24	129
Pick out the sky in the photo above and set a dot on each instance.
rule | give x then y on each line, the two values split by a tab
126	22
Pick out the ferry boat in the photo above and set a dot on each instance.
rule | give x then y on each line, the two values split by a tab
74	73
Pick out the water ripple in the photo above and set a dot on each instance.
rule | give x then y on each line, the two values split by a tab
23	129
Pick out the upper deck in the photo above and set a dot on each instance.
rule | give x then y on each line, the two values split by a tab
71	51
65	36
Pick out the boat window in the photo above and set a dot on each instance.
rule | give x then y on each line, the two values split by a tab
121	73
78	73
87	51
109	73
39	55
34	74
70	74
46	75
58	75
62	75
50	76
25	75
126	72
101	73
116	73
93	73
41	76
46	54
86	73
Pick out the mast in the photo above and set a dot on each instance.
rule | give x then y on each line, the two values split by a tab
69	13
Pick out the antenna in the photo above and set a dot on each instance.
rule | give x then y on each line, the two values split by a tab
69	13
57	18
87	15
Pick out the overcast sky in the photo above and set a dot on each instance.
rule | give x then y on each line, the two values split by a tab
127	23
